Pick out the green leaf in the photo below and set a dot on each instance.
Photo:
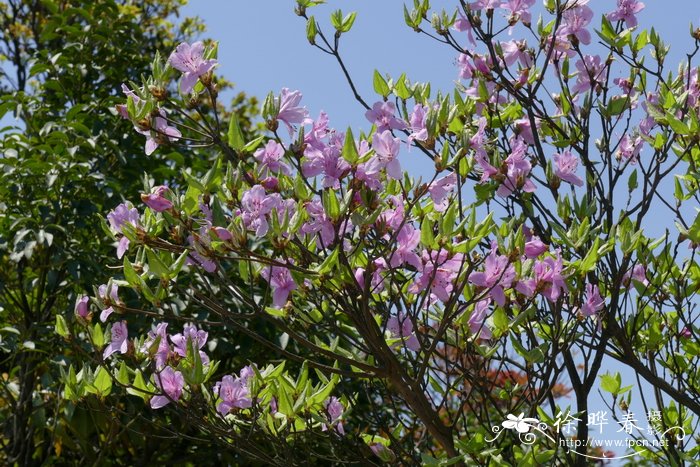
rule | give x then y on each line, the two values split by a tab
155	265
235	135
102	382
349	149
380	85
611	383
311	30
589	261
61	327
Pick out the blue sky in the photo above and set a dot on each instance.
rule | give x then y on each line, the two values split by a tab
263	48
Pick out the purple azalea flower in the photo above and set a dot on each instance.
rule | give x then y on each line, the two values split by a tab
629	148
334	410
163	350
234	393
119	341
198	337
566	164
117	218
440	190
590	71
401	327
222	233
477	319
518	169
109	297
377	281
82	306
190	61
534	247
438	275
626	9
407	240
498	274
160	133
523	129
519	10
484	5
156	201
271	157
290	113
319	223
257	204
328	162
594	302
516	51
382	114
638	273
417	123
550	273
462	24
281	283
574	21
171	382
387	149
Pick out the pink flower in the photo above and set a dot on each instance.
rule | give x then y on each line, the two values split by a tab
477	319
498	275
393	217
518	168
119	341
629	148
117	218
109	297
574	21
549	274
334	410
189	60
377	281
234	393
440	190
594	302
462	24
160	133
590	73
626	9
484	4
162	353
281	283
290	112
475	65
198	337
523	129
417	123
271	157
686	332
401	327
516	51
325	161
82	306
438	275
171	382
222	233
256	204
519	10
156	201
319	223
382	115
566	164
407	240
535	247
638	274
387	149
